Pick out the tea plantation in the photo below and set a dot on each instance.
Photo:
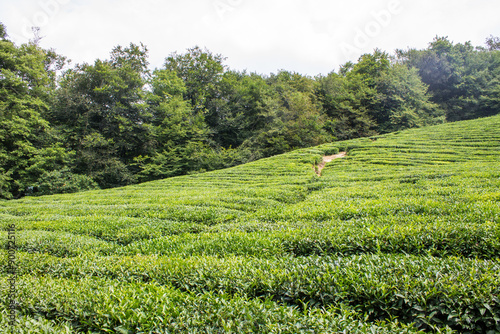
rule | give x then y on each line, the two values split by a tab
400	236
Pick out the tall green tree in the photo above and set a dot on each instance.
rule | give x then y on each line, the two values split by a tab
28	144
101	111
201	71
404	102
3	32
351	98
294	117
367	74
177	133
376	95
345	101
396	98
240	107
460	77
493	43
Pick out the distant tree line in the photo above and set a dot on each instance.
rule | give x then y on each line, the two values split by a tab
116	122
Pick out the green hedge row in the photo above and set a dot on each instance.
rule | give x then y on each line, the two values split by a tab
25	324
442	238
99	305
456	292
438	239
62	244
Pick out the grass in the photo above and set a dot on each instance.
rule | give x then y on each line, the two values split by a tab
401	235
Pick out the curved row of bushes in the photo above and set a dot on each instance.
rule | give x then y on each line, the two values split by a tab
94	304
460	293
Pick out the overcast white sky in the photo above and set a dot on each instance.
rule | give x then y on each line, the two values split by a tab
306	36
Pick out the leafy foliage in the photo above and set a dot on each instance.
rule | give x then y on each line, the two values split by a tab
400	235
28	144
100	112
62	181
460	78
118	122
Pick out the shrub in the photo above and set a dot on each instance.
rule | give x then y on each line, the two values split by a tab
331	150
62	182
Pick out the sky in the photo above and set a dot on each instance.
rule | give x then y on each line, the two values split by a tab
310	37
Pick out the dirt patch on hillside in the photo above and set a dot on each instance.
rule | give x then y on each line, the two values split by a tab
326	159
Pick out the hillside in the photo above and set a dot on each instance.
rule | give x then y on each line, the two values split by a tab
401	235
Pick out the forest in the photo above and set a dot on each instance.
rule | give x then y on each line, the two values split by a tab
115	122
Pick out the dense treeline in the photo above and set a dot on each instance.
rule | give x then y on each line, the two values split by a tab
116	122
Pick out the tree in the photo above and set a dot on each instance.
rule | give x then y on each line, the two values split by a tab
201	72
459	76
177	133
375	95
28	144
239	107
100	109
395	96
351	99
344	100
404	102
370	67
493	43
294	117
3	31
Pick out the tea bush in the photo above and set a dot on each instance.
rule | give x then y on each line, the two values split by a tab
401	235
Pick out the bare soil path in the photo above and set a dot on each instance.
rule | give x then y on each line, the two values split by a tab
328	158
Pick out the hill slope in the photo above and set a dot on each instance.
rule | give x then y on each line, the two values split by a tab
402	234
